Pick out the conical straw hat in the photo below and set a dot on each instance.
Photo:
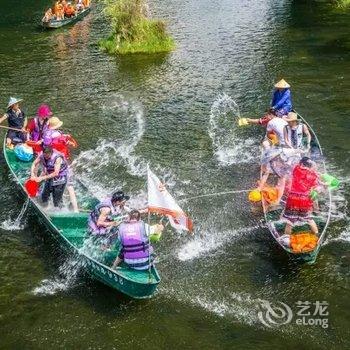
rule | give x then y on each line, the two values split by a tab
282	84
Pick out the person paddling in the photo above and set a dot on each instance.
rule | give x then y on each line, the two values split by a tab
136	251
54	174
17	120
281	99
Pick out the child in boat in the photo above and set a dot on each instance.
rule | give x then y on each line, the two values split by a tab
55	138
299	205
17	120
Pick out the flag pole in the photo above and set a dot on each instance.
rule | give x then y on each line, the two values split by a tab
149	230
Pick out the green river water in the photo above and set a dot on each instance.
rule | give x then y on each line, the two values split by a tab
177	113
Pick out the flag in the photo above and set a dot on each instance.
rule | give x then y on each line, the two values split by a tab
161	201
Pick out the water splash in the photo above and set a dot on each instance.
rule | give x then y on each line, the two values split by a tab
18	223
66	279
229	147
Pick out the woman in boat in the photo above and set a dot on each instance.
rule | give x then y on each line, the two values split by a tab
61	142
294	132
38	126
299	204
17	120
101	221
281	99
136	251
55	173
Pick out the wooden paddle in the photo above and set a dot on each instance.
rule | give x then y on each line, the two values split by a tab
14	129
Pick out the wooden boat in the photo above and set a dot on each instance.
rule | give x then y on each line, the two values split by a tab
70	230
54	24
322	217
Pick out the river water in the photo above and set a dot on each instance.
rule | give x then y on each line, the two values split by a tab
177	112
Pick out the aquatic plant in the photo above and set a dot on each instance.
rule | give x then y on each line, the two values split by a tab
132	29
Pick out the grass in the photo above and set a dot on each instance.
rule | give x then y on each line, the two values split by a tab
133	31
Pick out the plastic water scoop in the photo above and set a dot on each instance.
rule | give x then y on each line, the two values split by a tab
242	121
32	188
330	181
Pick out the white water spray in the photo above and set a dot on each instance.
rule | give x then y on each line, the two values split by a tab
18	223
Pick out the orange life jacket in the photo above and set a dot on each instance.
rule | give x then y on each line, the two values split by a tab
303	242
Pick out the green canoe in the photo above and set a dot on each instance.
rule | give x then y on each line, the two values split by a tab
322	217
70	230
54	24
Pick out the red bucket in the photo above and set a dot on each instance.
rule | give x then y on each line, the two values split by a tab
32	188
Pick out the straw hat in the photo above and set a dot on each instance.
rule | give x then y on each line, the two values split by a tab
292	117
12	101
282	84
55	123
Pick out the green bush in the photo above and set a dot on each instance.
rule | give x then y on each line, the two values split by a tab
133	31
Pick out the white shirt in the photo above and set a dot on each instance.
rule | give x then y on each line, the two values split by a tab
277	125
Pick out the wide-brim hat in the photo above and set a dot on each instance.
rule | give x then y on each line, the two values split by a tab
55	123
291	117
13	100
282	84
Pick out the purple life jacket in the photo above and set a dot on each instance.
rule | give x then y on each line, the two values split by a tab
39	129
49	165
95	214
136	249
49	135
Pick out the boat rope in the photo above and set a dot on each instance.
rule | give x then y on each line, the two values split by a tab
215	194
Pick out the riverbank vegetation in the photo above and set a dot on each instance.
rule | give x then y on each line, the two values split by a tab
132	29
343	4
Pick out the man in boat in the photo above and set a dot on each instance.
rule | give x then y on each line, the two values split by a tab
39	125
61	142
16	120
103	220
299	204
54	174
294	132
135	248
281	99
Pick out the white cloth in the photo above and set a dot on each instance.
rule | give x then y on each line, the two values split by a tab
277	126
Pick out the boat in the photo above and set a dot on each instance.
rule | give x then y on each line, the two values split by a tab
54	23
69	229
322	218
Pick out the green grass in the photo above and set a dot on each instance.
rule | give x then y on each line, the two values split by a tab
133	31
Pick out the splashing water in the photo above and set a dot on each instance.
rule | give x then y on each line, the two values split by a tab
17	224
229	148
66	278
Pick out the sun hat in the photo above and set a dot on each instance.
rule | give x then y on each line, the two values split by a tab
291	117
282	84
44	111
55	123
13	100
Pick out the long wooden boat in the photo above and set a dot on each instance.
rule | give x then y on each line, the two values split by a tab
70	230
322	217
54	24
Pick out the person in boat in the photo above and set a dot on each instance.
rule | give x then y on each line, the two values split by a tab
17	120
299	205
294	132
86	3
135	248
59	10
101	222
69	10
281	99
79	5
54	174
39	125
61	142
48	16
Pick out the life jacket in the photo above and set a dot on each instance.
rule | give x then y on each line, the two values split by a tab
95	214
39	129
303	180
295	135
135	245
49	165
303	242
15	120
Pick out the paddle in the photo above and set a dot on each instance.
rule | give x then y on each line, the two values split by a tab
14	129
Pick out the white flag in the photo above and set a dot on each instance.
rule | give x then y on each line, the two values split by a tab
160	201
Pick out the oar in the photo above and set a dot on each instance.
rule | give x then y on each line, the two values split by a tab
14	129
